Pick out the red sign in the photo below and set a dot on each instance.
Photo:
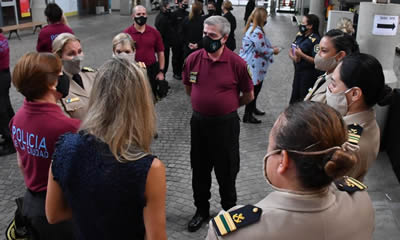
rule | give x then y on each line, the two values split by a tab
25	9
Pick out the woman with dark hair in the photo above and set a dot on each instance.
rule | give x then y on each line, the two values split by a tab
192	29
356	86
226	9
333	47
35	129
307	157
304	49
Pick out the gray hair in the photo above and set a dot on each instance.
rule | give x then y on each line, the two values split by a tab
60	41
221	22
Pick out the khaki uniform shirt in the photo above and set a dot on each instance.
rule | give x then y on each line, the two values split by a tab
318	94
75	104
369	142
326	215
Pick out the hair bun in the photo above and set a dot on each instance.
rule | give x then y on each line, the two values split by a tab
386	96
339	164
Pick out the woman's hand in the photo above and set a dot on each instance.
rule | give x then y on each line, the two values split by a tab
293	57
193	46
298	53
277	50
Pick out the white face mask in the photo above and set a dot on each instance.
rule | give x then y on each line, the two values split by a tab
337	101
73	66
325	64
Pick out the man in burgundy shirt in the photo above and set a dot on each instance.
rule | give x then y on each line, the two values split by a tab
6	110
148	43
214	77
55	27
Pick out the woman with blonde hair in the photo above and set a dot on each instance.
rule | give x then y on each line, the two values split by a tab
124	46
68	47
105	177
192	29
258	53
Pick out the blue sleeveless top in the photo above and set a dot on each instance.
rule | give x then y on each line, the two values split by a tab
106	196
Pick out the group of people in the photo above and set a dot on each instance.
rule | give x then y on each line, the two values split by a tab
83	136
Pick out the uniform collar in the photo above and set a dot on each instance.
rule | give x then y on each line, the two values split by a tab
360	118
223	58
75	88
36	107
299	201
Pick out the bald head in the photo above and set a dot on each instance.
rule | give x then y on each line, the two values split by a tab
138	11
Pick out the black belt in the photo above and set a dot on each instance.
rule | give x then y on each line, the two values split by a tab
216	117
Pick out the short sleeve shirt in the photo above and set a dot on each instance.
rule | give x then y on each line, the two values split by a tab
48	34
4	53
216	85
35	128
147	44
310	46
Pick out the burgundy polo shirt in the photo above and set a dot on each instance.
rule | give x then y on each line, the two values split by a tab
147	44
35	129
4	53
48	34
216	86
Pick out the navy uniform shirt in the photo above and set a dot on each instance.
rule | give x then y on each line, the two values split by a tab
310	46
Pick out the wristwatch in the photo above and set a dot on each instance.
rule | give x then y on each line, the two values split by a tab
161	70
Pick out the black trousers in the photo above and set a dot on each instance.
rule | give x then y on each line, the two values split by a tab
6	110
152	72
214	144
251	107
303	80
177	58
167	49
34	210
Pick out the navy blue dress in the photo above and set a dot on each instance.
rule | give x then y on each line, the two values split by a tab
106	196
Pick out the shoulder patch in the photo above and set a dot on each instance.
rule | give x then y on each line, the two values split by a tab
249	71
87	69
350	185
354	132
231	221
316	48
313	39
299	34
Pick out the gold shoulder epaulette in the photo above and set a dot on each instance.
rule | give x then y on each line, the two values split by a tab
354	133
350	184
299	34
231	221
87	69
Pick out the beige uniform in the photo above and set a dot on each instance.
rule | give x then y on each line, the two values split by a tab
329	215
317	94
369	141
75	104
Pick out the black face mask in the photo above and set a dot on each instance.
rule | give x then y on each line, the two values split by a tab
141	20
168	10
211	12
185	6
63	85
302	28
211	45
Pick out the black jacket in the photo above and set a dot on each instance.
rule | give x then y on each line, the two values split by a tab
164	24
231	42
249	8
192	31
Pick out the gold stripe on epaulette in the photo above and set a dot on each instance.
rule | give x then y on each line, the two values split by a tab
359	184
230	222
220	226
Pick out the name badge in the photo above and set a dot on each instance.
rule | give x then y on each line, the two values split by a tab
193	77
70	100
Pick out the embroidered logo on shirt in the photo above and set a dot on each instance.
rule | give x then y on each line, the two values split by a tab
193	77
